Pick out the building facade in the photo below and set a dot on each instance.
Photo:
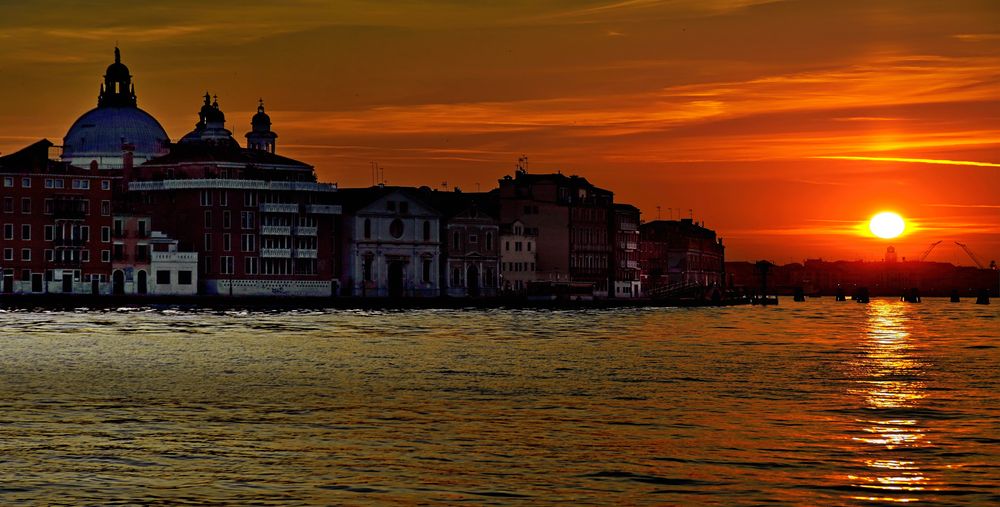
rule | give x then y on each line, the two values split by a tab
259	223
626	274
571	218
390	243
56	224
680	252
518	257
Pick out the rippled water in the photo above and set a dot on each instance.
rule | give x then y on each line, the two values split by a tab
809	403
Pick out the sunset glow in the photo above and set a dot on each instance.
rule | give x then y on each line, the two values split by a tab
817	109
887	225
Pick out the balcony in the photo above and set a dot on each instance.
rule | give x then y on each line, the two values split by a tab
305	231
68	242
276	253
630	264
175	257
273	207
276	230
305	253
323	209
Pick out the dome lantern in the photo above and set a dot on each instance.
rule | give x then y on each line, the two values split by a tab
260	136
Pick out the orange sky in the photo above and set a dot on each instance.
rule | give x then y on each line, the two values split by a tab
782	124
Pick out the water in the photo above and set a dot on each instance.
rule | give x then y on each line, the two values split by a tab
805	404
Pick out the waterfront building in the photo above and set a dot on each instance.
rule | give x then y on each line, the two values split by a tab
56	224
390	243
571	219
259	223
518	257
680	252
626	275
470	253
98	134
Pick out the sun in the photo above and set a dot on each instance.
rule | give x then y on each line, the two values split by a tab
887	225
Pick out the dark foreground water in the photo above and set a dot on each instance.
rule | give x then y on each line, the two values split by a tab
816	403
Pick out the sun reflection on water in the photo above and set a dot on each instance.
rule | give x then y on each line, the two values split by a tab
889	378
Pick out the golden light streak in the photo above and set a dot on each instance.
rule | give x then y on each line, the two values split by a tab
911	160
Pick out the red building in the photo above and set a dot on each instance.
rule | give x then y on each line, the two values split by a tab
680	252
259	222
571	219
56	224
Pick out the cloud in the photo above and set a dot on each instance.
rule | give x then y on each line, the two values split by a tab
910	160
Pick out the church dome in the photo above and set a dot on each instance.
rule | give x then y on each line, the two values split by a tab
99	133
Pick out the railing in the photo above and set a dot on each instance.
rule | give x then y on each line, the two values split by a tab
281	253
296	186
305	231
323	209
305	253
276	230
273	207
175	256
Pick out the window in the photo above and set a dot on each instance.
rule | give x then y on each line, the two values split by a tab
162	277
250	265
226	265
50	255
54	183
208	219
8	204
367	270
105	208
206	197
390	205
208	242
518	246
246	220
105	234
249	199
8	181
206	264
248	243
427	230
85	255
456	240
184	278
368	228
26	205
25	254
529	246
50	231
142	252
25	232
81	184
119	228
223	198
105	255
507	245
227	219
396	228
119	251
473	238
8	254
489	241
143	228
456	277
8	231
227	242
105	184
427	271
404	207
25	182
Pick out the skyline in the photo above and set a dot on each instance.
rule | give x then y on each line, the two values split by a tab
717	108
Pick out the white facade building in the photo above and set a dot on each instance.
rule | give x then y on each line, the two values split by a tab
518	254
390	244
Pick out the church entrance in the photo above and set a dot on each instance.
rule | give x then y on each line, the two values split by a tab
472	281
396	279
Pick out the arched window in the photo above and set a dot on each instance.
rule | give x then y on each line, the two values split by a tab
456	240
427	230
489	241
368	228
